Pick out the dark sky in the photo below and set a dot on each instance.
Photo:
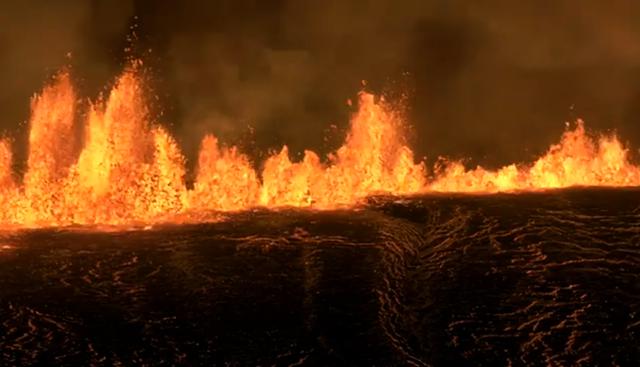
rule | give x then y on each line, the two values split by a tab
493	81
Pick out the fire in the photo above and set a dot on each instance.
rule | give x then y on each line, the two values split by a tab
128	169
578	160
225	179
50	153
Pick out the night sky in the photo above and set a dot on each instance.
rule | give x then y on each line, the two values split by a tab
491	81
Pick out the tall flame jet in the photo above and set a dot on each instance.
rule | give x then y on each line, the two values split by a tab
127	169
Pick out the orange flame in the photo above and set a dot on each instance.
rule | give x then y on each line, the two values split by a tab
50	149
578	160
225	179
130	170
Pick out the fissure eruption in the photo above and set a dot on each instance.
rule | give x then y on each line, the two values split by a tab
128	169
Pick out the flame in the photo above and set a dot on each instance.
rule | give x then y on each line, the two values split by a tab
225	179
169	194
8	192
6	161
50	150
128	169
578	160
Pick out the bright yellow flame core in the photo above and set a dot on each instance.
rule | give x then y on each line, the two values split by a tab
128	170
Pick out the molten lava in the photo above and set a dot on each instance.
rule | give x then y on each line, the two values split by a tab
127	169
578	160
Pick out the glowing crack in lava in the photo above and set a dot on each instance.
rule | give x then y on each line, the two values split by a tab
129	170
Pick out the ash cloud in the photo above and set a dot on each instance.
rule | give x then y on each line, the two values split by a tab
494	81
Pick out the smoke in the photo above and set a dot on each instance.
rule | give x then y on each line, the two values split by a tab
492	81
286	69
39	37
33	40
535	66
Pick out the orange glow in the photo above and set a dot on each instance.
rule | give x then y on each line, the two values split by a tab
578	160
6	160
50	150
127	169
8	192
225	179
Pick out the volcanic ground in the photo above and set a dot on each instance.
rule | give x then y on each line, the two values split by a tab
549	278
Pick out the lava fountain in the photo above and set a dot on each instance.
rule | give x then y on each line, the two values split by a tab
128	169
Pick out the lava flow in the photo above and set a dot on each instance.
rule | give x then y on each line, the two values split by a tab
128	169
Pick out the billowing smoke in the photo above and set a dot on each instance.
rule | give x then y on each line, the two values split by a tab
492	80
